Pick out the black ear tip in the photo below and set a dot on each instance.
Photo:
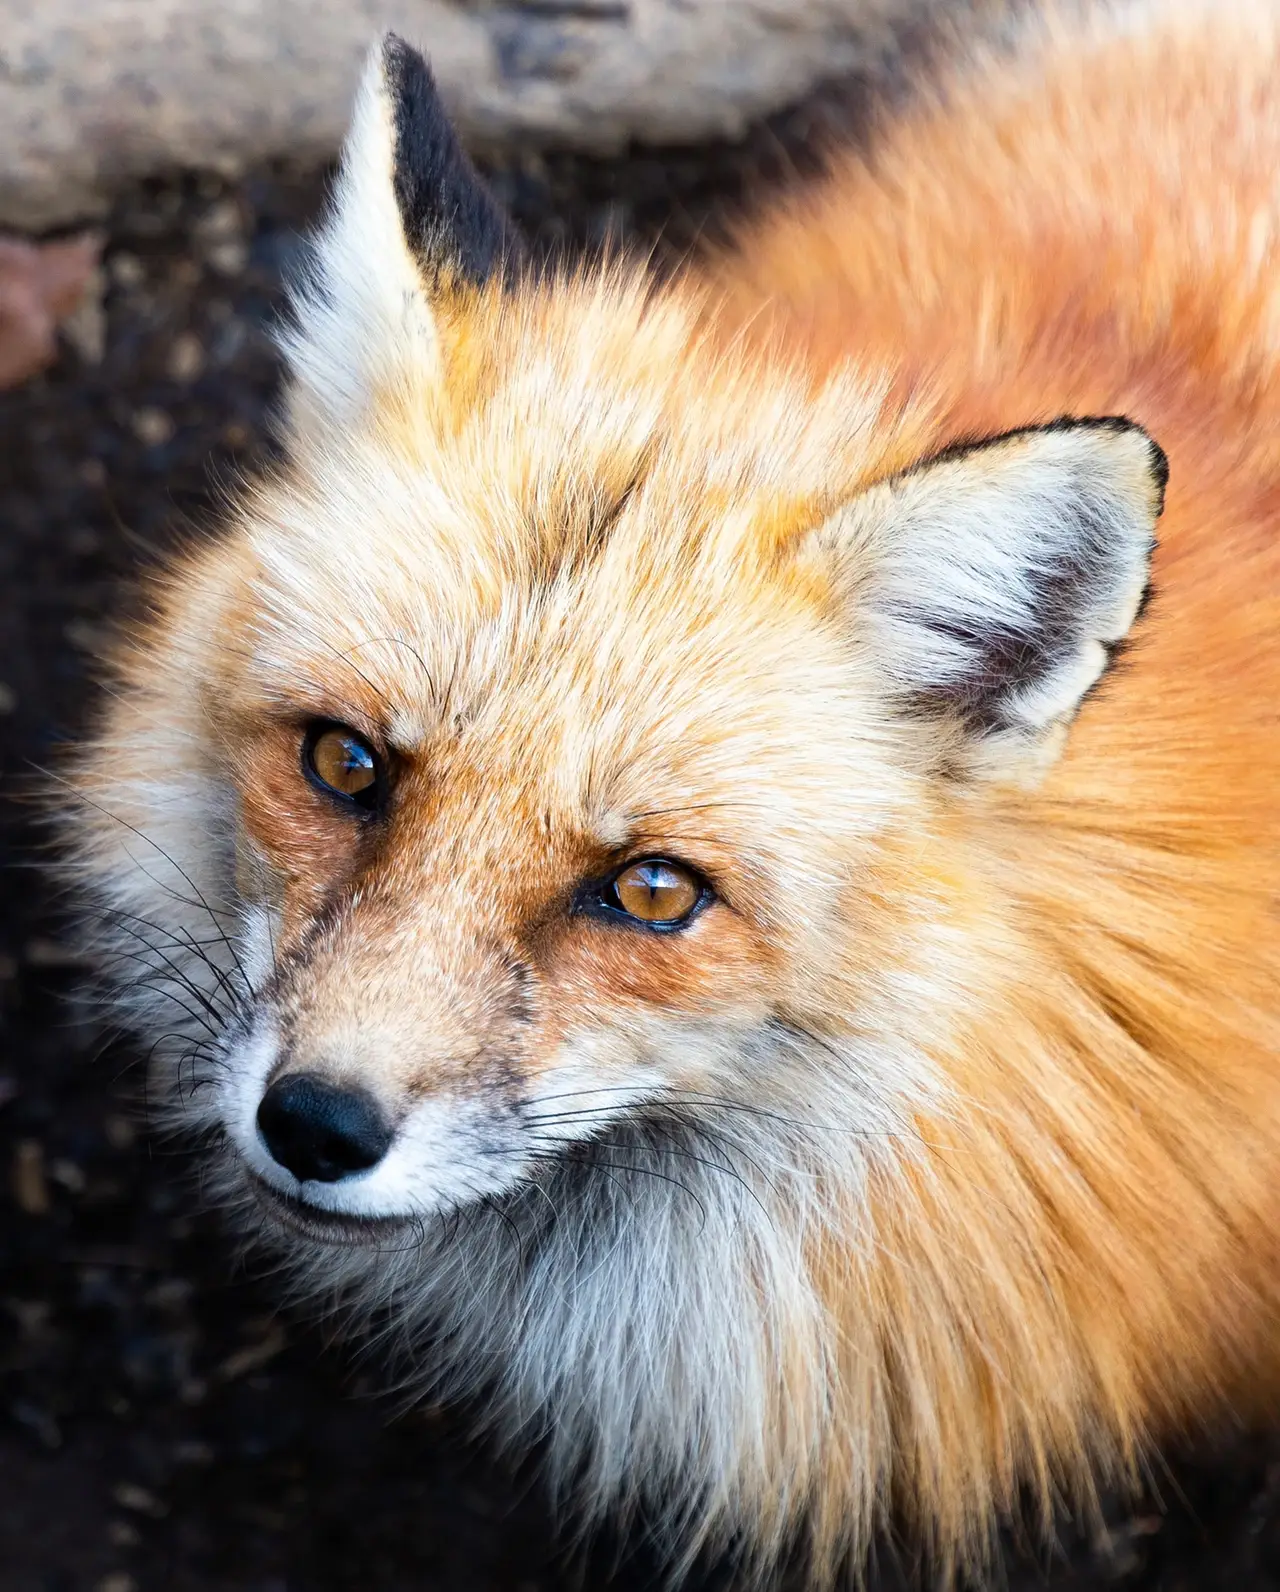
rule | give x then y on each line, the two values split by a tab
1159	472
1157	458
451	221
406	68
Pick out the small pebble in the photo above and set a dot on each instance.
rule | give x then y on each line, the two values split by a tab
120	1534
229	341
186	358
32	1315
40	951
139	1500
27	1178
120	1132
229	258
171	1294
117	1581
153	427
126	270
37	1421
84	541
8	698
68	1175
84	634
220	221
253	1357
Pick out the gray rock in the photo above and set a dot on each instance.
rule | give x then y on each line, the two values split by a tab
94	93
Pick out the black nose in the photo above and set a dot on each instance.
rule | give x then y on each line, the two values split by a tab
319	1131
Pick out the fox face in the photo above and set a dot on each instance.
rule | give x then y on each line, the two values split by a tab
557	747
546	836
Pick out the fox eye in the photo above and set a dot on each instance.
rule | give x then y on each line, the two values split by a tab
344	764
656	892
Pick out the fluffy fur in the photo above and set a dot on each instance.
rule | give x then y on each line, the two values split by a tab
935	1164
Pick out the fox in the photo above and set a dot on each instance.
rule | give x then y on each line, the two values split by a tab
701	851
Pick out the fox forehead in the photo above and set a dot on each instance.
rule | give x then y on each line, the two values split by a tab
498	466
554	567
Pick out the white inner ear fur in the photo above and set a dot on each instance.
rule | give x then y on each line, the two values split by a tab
362	315
989	585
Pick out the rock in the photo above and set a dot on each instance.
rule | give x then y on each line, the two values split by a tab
40	287
95	96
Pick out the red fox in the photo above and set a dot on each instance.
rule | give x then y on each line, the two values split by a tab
665	850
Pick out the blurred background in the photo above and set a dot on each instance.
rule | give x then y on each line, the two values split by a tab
163	1428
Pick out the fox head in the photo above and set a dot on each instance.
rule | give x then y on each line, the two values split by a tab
556	804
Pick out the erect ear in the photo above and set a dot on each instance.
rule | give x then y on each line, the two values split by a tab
410	225
993	584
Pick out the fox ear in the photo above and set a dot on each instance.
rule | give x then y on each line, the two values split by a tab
411	224
993	584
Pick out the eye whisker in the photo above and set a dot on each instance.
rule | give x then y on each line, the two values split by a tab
248	655
399	641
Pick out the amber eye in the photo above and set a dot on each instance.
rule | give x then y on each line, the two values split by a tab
343	763
662	894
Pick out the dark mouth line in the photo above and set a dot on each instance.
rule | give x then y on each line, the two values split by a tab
328	1227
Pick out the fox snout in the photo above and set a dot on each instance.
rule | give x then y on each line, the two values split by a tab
320	1131
379	1074
335	1146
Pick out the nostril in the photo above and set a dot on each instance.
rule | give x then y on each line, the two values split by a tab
321	1132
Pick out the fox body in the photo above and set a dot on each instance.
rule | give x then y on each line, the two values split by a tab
664	849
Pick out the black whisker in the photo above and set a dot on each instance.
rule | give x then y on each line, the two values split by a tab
156	846
581	1157
180	975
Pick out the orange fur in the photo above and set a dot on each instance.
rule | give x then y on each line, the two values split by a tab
1095	234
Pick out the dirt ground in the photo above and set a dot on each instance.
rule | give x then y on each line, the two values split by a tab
162	1428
